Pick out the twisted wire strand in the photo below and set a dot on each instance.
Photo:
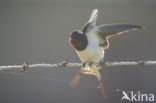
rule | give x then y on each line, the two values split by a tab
25	66
66	64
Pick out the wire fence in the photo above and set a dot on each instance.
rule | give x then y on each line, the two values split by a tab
25	66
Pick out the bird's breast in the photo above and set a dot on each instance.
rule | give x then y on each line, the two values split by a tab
93	53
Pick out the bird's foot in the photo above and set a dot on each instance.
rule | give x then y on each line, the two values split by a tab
84	65
91	63
101	63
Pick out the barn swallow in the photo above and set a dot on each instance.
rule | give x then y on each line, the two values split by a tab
91	42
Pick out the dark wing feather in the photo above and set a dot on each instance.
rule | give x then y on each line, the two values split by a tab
92	21
105	31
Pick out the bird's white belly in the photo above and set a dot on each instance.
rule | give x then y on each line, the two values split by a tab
93	53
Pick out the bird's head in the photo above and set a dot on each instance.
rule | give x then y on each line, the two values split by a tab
78	40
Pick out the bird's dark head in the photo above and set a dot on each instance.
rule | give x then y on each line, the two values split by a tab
78	40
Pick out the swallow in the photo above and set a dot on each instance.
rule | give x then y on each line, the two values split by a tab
91	42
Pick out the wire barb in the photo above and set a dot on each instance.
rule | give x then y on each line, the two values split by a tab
25	66
63	64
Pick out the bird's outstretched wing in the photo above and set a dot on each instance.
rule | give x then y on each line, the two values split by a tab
103	32
92	21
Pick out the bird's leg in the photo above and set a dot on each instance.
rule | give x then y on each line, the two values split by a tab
101	85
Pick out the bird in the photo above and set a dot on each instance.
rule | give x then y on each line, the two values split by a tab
90	45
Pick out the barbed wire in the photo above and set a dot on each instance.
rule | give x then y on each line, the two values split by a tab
25	66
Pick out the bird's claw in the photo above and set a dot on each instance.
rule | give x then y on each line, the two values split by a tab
91	63
101	63
84	65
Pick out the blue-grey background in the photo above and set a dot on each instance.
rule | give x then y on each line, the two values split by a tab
37	31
